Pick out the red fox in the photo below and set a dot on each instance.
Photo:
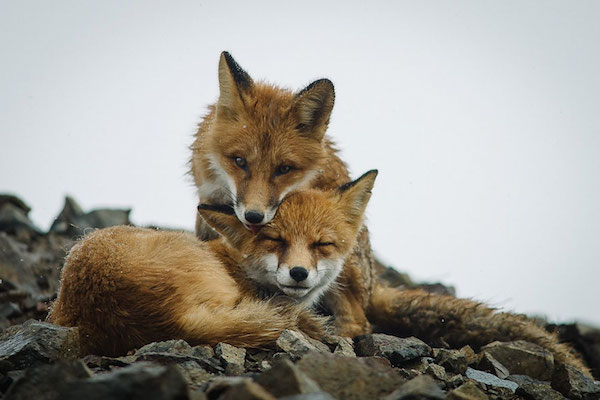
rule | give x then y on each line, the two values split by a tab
125	287
259	143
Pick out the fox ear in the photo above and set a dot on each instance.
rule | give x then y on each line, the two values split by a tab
312	108
223	220
355	195
234	83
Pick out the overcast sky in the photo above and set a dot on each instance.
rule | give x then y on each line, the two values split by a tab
482	117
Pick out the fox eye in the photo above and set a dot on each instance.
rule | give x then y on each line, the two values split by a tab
323	244
240	162
273	239
283	169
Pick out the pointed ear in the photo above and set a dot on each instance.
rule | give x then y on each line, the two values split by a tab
355	195
234	83
312	108
223	220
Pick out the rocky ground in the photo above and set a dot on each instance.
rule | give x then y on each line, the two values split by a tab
42	361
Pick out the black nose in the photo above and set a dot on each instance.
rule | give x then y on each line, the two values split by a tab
254	217
299	273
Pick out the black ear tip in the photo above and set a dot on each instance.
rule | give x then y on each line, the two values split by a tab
221	208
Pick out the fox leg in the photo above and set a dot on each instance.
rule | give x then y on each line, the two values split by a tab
251	323
458	322
350	319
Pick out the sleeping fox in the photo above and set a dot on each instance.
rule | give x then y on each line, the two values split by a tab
125	287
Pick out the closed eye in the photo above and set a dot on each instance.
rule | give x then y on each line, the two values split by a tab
273	239
323	244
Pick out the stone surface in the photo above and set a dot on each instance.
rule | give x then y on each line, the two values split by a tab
296	344
534	389
490	364
575	384
140	381
37	342
350	377
467	391
286	379
246	390
48	382
73	221
397	350
452	360
421	387
14	218
489	379
521	357
233	358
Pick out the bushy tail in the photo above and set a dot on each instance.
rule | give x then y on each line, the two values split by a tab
458	322
251	323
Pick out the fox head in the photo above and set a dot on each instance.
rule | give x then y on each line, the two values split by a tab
266	141
301	251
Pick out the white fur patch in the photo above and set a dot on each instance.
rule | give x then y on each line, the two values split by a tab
306	179
224	181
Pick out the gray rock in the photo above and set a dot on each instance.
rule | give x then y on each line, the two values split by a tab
344	347
37	342
193	373
141	381
246	390
397	350
452	360
437	372
350	377
309	396
422	386
490	364
232	358
575	384
73	221
48	382
286	379
523	358
176	346
14	218
467	391
490	380
534	389
296	344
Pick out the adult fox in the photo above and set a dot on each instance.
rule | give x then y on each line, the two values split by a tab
259	143
125	287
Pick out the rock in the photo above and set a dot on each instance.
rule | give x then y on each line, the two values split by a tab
437	372
232	358
420	387
467	391
350	377
193	373
14	218
523	358
37	342
203	351
344	347
395	349
139	381
73	221
470	355
296	344
490	364
585	339
490	380
48	382
177	346
452	360
286	379
309	396
534	389
246	390
575	384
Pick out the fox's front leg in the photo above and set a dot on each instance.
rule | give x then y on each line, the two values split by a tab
350	319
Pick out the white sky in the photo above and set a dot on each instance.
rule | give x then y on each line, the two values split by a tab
482	117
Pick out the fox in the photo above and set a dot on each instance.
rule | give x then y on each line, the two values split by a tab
125	287
260	142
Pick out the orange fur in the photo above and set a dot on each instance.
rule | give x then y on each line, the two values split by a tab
125	287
